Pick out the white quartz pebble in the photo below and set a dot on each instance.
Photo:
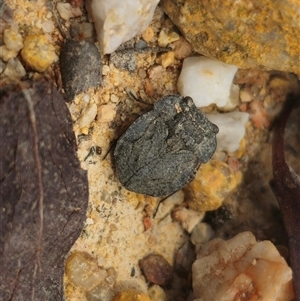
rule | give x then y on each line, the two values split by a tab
206	80
117	22
231	129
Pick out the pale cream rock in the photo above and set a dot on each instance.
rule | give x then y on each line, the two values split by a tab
156	293
231	129
82	270
105	69
117	23
168	205
208	81
189	218
241	266
6	54
114	98
14	68
245	96
87	116
106	113
166	38
233	99
67	11
167	59
13	39
201	233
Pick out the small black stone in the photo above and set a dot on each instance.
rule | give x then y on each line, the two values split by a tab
162	150
80	65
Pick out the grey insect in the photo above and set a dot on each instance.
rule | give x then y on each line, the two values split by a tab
162	149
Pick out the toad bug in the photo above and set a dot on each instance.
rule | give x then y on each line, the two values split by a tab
162	149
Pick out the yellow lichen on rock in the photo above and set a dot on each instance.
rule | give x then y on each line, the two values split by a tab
131	295
248	34
38	53
214	181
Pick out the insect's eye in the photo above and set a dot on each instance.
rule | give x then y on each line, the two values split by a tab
188	100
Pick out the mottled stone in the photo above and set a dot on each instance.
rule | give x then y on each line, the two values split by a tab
14	68
38	53
214	182
248	34
13	39
82	270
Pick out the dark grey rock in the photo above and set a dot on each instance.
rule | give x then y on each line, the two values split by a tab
80	65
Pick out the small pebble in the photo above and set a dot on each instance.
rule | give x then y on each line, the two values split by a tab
165	38
131	295
88	116
182	48
214	182
189	218
245	96
148	34
82	270
114	98
105	69
13	39
202	233
111	276
100	293
38	53
49	15
169	203
167	59
14	68
156	269
86	98
106	113
155	71
67	11
89	221
259	115
48	26
6	54
142	73
156	293
141	44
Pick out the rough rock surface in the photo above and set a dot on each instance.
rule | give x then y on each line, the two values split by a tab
248	34
241	269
